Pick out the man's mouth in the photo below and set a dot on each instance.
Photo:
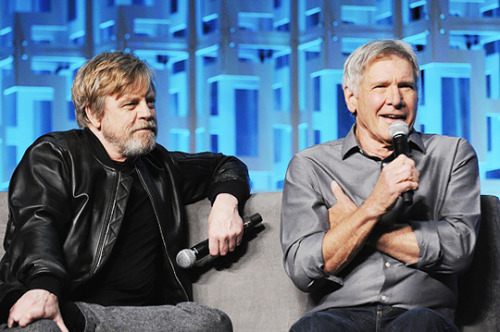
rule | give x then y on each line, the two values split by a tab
149	128
395	116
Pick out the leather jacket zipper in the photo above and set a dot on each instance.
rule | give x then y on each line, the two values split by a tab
105	233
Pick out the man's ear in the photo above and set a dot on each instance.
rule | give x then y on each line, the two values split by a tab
94	121
350	100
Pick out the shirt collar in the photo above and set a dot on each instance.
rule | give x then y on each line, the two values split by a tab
351	145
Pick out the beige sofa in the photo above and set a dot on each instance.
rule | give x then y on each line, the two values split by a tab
252	288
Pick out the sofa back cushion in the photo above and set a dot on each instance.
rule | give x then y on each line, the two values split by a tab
250	285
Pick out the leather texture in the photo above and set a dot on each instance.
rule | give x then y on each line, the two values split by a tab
67	192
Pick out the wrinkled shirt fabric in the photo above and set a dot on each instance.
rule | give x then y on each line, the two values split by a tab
444	217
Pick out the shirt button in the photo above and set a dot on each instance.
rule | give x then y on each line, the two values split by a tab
383	298
387	264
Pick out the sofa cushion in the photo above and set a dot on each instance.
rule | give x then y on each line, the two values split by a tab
250	285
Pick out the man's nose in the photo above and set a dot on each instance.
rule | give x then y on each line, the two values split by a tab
394	96
144	111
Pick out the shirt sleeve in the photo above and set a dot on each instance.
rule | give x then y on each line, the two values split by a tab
447	244
304	222
47	282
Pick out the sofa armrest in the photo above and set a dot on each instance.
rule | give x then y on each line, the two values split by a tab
479	287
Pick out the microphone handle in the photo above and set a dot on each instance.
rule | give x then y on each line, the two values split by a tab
408	197
401	147
202	249
249	222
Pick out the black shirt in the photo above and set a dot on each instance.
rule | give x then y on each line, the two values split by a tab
132	272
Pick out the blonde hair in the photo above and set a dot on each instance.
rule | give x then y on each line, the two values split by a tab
107	74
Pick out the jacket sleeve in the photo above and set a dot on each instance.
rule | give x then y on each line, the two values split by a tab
38	214
209	174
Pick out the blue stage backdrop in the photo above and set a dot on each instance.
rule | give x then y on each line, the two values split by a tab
257	79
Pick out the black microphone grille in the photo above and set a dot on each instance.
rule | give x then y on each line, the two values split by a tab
398	128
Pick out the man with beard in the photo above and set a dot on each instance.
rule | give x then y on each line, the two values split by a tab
96	215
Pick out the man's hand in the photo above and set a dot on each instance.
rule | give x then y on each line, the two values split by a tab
350	225
344	207
33	305
225	226
397	177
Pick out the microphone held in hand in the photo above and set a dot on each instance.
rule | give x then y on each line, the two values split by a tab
187	257
399	132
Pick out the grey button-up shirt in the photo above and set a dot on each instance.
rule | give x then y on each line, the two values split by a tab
444	216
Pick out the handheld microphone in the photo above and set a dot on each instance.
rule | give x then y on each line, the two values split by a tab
399	132
187	257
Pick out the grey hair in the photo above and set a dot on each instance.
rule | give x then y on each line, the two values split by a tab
357	62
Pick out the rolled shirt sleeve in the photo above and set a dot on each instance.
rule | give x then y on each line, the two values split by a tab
304	220
444	214
447	243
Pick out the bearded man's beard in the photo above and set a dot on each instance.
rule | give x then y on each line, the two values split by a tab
135	147
131	143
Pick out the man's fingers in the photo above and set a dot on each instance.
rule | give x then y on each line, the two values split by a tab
21	320
218	247
213	246
235	240
337	191
60	323
27	318
223	247
239	239
10	322
334	186
225	226
33	305
232	245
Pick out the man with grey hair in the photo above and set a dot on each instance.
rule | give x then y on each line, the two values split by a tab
369	261
96	216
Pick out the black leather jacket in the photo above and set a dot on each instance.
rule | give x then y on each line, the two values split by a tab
67	199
